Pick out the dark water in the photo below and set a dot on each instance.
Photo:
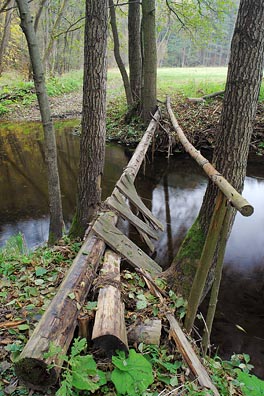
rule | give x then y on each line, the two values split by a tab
173	191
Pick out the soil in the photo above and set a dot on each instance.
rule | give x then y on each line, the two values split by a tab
62	107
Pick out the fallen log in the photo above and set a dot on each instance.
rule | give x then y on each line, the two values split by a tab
109	331
148	332
236	199
205	97
58	323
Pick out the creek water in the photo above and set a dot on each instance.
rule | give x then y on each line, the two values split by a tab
173	189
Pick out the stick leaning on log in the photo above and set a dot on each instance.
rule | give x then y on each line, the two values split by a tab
58	323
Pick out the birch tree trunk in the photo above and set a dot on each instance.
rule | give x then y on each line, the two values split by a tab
149	99
55	206
92	145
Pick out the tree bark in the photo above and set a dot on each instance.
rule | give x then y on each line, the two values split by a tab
109	331
6	34
118	58
134	49
56	219
92	144
240	102
149	99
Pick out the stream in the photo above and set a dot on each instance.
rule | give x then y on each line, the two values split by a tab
173	189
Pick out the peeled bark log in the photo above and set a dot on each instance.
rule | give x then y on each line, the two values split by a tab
240	203
109	332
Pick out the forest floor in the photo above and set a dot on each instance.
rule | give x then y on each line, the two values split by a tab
198	120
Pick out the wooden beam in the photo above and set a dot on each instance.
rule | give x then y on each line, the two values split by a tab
109	331
126	186
236	199
117	203
122	245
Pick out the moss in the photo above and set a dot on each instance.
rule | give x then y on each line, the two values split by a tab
192	245
76	230
181	274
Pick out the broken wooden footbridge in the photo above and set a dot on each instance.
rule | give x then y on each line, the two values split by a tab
105	243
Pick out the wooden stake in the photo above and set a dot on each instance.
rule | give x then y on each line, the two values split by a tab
205	260
217	280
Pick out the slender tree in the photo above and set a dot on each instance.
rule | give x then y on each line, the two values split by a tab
56	219
236	125
134	49
149	97
118	58
92	144
6	33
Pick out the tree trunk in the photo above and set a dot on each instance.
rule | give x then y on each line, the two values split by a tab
134	49
92	145
149	99
240	102
238	114
56	219
118	58
52	34
6	34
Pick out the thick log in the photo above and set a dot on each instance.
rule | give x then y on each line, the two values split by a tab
58	323
236	199
109	332
148	332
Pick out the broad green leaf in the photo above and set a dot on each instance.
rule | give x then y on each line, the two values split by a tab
250	384
40	271
132	375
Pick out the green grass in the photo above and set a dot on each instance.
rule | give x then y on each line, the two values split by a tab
189	82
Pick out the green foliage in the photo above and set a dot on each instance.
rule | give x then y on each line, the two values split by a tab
132	375
80	372
250	384
164	365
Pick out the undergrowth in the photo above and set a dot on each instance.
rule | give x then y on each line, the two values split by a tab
29	281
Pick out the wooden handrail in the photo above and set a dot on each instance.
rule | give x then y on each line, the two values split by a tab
233	197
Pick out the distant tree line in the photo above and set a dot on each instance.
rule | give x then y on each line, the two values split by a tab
186	36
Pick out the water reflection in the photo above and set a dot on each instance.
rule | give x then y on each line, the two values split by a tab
173	190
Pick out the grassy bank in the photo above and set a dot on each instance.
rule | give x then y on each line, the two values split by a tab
186	81
29	282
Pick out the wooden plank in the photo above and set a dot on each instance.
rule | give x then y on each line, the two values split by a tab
183	345
109	331
146	240
121	244
189	355
117	202
126	186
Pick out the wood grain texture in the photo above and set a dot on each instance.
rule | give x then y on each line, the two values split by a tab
109	331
